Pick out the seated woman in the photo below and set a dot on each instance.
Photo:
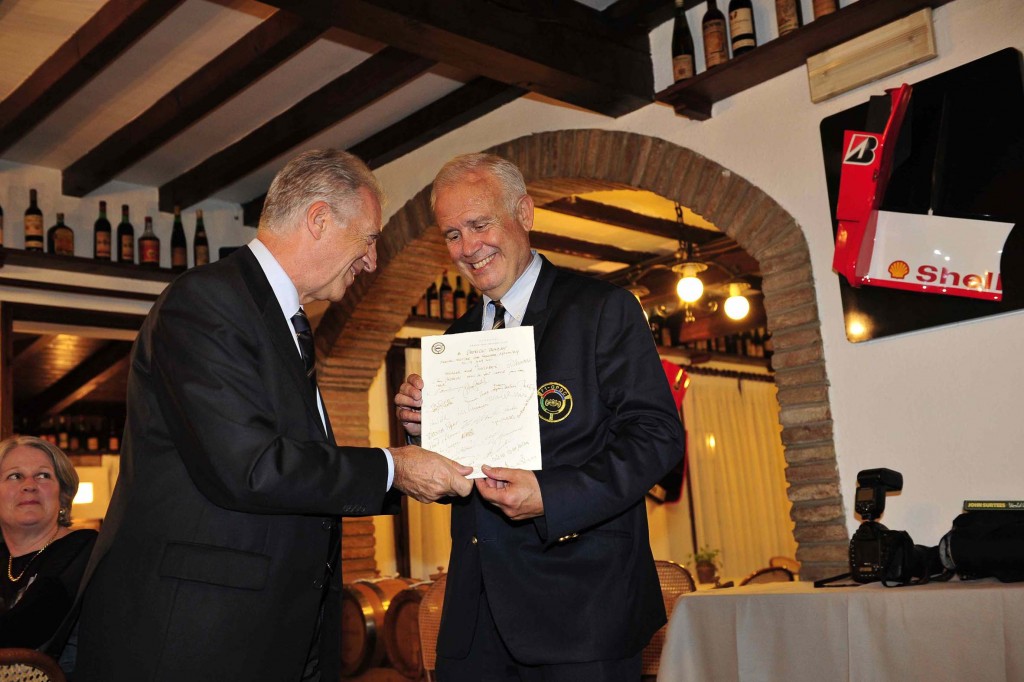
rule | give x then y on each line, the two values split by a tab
44	559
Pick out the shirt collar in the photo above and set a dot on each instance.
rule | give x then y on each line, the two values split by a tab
284	290
517	298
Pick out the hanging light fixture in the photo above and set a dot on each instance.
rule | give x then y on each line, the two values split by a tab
689	287
737	306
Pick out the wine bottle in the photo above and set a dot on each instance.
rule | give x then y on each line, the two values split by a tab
63	441
823	7
179	247
713	28
125	238
60	239
788	16
1	225
472	298
149	246
200	246
33	224
741	27
433	301
682	46
114	438
101	235
460	298
447	298
92	435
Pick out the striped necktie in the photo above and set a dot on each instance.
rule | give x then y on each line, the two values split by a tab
499	316
304	335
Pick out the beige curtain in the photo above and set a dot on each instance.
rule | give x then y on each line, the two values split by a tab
429	524
738	472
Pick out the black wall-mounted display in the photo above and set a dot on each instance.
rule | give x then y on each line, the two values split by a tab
962	156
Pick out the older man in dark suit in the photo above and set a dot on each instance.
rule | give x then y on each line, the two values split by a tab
551	574
218	557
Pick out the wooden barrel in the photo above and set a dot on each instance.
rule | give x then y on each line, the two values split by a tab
363	605
402	630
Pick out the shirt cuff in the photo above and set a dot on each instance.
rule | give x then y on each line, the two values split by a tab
391	468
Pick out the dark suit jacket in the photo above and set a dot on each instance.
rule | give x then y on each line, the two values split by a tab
211	561
578	583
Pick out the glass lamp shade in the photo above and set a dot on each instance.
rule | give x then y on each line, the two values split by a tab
737	307
690	288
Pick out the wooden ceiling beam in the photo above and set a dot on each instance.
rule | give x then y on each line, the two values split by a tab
111	358
478	97
373	78
258	52
583	249
564	50
621	217
115	27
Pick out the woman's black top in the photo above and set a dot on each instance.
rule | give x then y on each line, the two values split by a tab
32	607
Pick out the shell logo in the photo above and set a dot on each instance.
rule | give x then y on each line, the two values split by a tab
898	269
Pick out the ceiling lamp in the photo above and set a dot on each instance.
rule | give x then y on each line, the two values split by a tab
689	287
737	306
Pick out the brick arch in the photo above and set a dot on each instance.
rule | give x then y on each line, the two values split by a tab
356	333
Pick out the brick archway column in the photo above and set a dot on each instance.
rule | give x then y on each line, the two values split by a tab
354	335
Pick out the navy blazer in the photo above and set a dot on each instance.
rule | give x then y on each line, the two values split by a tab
211	561
578	583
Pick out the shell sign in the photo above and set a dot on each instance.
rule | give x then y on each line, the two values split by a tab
915	252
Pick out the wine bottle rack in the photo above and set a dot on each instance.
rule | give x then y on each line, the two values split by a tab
695	97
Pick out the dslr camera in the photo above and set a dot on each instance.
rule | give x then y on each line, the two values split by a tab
877	553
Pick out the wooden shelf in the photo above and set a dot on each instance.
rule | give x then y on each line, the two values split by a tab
35	259
695	97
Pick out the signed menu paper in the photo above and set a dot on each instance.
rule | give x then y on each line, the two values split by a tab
480	398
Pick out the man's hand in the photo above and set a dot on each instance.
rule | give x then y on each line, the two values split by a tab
408	402
427	476
515	492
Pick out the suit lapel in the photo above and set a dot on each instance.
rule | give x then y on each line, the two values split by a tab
277	329
537	309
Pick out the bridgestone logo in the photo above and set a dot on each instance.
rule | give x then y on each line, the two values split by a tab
861	151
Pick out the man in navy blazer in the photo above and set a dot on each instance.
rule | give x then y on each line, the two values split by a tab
551	574
218	557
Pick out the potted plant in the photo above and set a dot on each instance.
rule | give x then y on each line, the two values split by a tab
707	566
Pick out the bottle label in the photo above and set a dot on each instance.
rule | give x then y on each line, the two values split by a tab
102	245
127	249
179	257
34	232
714	43
149	252
823	7
682	67
785	14
64	243
460	307
741	25
202	255
434	308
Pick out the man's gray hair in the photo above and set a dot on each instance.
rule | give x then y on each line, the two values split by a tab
508	175
330	175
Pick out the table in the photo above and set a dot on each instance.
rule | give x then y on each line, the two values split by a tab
792	632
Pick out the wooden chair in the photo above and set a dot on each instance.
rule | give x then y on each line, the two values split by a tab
675	582
430	624
28	665
786	562
772	574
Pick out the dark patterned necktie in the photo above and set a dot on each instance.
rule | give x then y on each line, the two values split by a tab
304	335
499	316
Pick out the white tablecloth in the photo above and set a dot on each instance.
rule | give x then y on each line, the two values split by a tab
967	631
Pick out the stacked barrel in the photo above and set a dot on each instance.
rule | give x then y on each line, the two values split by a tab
380	637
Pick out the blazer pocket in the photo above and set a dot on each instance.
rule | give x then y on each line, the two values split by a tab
215	565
